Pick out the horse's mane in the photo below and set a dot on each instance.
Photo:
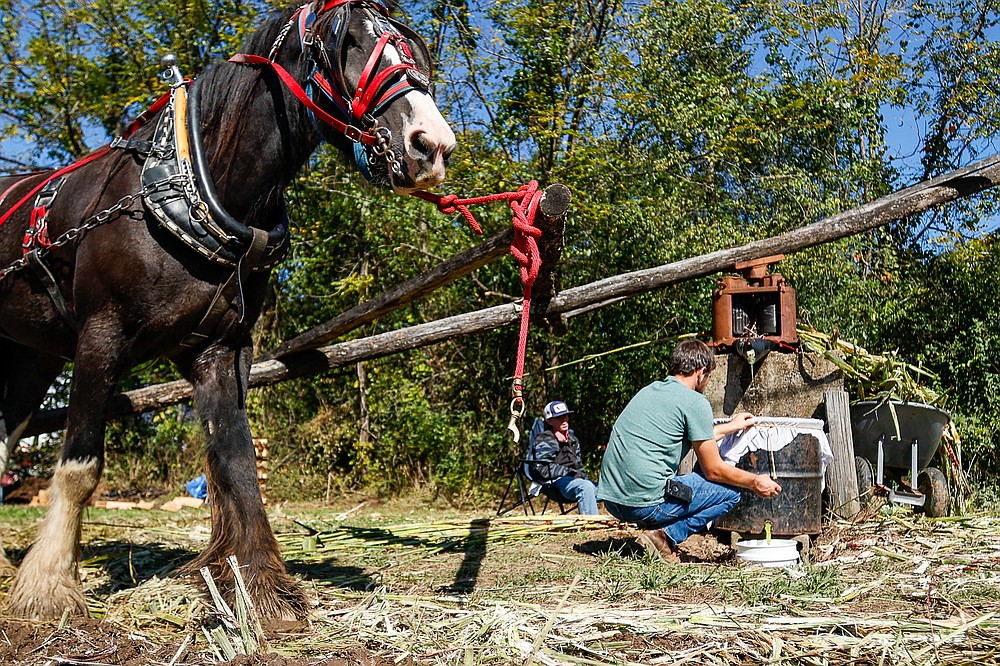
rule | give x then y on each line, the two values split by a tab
235	83
231	87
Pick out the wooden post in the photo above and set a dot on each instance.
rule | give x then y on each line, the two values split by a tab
841	476
552	210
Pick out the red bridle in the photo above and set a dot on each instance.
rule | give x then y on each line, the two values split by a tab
375	87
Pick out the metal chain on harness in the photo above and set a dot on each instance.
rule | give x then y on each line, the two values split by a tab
383	148
94	221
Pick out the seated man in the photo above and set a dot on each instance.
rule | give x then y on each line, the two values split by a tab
639	482
555	460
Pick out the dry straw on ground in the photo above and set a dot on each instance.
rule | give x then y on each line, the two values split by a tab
895	589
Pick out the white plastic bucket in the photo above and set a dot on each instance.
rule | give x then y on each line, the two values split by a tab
773	553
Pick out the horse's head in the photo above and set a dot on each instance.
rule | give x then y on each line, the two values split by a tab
373	73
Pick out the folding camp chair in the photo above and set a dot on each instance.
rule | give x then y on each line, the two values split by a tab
528	489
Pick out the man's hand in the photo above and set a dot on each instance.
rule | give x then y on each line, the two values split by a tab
741	421
738	422
764	486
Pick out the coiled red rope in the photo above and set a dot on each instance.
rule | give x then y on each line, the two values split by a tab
524	204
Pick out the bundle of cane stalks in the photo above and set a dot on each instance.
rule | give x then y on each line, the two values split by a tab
869	376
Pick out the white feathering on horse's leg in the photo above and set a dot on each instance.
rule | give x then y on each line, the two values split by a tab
48	582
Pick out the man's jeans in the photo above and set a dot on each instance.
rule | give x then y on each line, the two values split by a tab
581	491
679	521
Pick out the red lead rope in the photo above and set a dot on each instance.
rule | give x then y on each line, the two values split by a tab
524	203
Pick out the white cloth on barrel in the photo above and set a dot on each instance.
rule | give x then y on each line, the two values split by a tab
771	433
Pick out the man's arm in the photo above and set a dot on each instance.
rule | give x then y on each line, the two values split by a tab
718	470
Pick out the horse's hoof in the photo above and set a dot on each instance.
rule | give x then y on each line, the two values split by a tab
285	602
38	601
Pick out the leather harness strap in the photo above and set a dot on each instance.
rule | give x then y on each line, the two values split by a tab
49	281
36	238
351	132
229	294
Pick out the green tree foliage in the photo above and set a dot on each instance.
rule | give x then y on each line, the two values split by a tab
72	74
681	128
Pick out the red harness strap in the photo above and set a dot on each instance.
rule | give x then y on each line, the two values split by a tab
37	233
369	94
333	4
369	86
48	179
135	125
351	132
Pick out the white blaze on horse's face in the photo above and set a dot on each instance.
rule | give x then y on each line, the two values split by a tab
427	139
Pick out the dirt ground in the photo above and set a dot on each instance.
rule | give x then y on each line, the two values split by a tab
87	641
412	583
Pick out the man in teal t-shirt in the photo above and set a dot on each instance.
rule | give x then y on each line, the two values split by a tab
639	482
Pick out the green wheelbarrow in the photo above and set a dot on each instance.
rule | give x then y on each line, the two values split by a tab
894	443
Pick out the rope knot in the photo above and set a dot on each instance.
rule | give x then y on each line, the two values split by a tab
447	204
524	204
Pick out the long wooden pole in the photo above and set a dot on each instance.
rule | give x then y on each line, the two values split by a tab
910	201
444	273
890	208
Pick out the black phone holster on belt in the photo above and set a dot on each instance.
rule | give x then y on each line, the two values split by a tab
676	490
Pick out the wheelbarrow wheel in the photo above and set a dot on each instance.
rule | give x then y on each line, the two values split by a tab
933	484
866	480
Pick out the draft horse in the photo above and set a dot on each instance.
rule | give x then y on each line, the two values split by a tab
160	245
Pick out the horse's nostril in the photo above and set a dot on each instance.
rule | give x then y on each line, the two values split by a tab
420	143
429	150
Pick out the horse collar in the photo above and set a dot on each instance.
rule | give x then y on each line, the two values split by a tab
178	191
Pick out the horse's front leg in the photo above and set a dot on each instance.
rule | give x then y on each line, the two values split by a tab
48	583
239	523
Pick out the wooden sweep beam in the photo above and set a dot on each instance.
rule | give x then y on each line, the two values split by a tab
890	208
444	273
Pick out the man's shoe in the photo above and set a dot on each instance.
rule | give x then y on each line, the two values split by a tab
656	542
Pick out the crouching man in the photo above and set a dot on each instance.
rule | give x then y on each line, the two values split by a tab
639	482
